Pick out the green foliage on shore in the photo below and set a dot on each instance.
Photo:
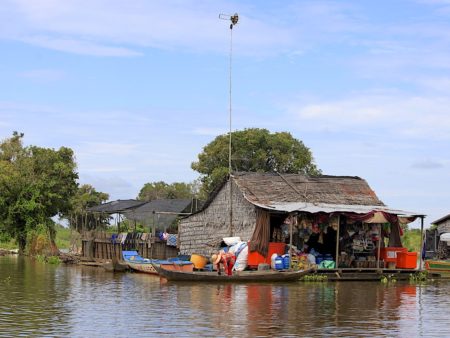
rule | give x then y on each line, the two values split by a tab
63	237
411	240
35	185
79	219
8	243
55	260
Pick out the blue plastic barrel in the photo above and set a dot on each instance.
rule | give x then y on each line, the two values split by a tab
279	263
286	262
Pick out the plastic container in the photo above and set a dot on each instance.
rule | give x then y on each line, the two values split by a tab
263	267
199	261
389	254
279	263
319	259
286	262
406	260
255	258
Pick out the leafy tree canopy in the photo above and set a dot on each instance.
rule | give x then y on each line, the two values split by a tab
253	150
85	197
161	190
35	185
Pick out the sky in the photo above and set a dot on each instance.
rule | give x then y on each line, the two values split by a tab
138	88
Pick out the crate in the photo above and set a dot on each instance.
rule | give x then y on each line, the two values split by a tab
389	254
406	260
255	258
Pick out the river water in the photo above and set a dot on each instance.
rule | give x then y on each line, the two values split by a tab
42	300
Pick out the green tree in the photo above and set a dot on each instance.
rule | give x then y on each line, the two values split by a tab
161	190
35	185
85	197
253	150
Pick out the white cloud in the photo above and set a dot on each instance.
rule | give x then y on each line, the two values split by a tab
43	75
80	46
427	164
117	28
395	113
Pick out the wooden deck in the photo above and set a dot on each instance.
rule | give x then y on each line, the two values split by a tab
365	274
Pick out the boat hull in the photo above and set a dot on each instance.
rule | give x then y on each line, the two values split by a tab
436	266
146	265
143	267
238	277
140	264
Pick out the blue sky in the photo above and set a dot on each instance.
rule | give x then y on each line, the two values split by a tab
137	88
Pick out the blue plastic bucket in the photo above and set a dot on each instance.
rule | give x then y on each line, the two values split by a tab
279	263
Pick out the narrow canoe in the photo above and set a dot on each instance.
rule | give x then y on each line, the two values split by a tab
140	264
437	266
146	265
242	276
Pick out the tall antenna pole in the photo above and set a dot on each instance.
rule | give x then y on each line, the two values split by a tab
234	20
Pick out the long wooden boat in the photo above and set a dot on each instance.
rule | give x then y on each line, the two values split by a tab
241	276
438	266
146	265
138	263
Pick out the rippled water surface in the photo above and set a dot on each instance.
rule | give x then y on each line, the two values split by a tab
38	299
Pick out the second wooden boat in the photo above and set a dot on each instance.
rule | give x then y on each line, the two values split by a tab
140	264
438	266
241	276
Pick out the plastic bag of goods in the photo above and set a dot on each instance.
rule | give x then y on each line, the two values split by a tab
235	249
272	260
241	260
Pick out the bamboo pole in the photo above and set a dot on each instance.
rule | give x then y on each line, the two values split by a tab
380	237
290	242
337	241
421	243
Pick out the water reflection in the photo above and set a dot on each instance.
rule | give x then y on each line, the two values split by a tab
43	300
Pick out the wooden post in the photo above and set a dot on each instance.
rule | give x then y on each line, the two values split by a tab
231	197
421	243
290	242
337	240
380	237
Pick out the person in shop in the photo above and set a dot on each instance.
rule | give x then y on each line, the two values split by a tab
329	242
315	241
225	260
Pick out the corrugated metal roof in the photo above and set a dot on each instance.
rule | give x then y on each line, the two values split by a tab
115	207
329	208
145	212
440	220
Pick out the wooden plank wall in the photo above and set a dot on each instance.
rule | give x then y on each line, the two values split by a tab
101	247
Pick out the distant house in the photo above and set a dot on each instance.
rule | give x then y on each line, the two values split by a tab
263	204
162	212
434	247
442	224
159	213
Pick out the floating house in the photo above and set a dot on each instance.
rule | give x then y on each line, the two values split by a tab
157	217
338	218
437	239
